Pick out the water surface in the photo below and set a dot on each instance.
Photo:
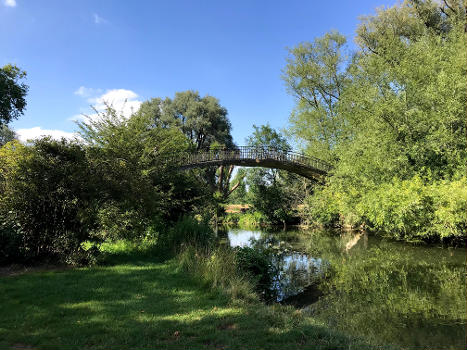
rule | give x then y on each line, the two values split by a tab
386	292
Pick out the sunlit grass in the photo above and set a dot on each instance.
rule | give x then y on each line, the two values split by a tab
143	304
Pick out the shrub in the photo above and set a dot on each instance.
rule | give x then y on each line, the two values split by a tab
450	215
11	247
321	208
117	223
403	208
231	218
48	199
413	209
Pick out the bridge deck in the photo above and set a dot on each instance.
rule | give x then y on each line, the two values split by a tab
267	157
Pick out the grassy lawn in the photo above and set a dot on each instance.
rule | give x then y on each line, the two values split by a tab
143	304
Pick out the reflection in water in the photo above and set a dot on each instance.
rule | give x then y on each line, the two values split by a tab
242	238
385	292
295	270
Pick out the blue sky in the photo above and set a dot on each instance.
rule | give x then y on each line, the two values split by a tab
82	52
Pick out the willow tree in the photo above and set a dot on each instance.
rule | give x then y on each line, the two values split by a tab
316	76
392	115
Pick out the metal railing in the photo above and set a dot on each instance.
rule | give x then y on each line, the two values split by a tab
248	153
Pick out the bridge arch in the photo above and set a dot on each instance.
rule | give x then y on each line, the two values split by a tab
251	156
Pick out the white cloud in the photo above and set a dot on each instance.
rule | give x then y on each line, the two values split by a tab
98	19
37	132
87	92
10	3
125	102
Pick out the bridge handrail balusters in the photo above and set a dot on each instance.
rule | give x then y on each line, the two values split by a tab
248	153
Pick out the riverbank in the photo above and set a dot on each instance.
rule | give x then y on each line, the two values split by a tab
139	302
250	219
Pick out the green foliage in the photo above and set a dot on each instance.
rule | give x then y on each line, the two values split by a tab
450	216
204	123
6	134
315	75
115	224
187	231
11	247
403	208
321	208
118	183
130	156
201	119
413	209
238	188
13	93
265	136
251	219
273	201
48	198
392	118
272	192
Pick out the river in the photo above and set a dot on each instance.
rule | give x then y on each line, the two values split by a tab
384	292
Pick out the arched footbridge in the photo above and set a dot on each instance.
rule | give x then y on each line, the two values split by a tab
251	156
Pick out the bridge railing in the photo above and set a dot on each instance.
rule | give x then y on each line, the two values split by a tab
211	155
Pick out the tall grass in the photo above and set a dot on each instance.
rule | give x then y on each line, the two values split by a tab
217	269
187	231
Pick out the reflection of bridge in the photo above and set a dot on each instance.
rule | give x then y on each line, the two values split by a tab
267	157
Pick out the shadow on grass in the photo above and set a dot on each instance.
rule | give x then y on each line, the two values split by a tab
143	305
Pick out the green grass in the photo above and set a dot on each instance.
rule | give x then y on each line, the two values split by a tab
144	304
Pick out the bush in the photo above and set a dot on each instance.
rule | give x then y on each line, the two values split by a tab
321	208
402	208
116	223
11	247
47	199
414	209
231	219
450	215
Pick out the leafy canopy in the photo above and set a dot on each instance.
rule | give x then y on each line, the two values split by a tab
13	93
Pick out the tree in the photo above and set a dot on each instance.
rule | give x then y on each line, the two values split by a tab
238	188
201	119
12	93
205	124
399	113
269	188
316	76
6	135
139	184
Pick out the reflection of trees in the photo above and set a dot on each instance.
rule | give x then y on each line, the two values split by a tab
223	236
383	291
392	296
294	271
